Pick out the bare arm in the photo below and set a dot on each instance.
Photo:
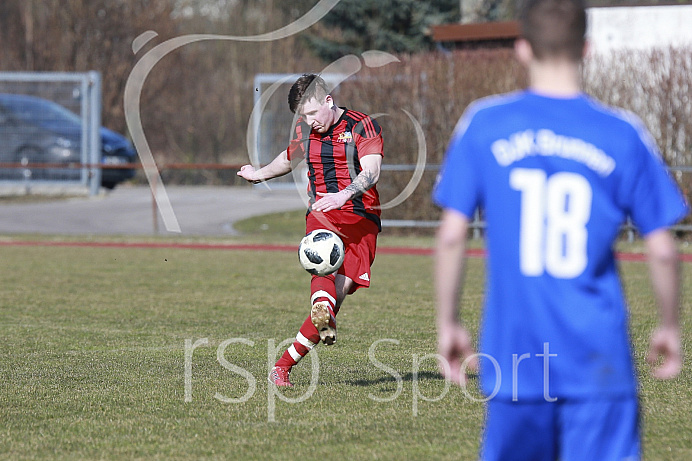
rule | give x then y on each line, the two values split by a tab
665	276
368	177
278	167
454	341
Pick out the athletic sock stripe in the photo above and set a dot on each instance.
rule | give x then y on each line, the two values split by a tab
323	294
294	353
302	350
304	341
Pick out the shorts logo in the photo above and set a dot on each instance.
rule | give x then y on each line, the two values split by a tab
365	277
345	137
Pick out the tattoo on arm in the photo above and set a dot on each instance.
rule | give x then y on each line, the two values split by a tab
364	181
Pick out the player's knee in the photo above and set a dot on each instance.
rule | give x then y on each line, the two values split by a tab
344	287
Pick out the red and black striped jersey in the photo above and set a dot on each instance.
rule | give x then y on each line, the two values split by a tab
333	158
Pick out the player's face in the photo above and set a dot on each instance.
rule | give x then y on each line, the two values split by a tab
318	114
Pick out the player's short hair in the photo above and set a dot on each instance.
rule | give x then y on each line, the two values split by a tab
554	28
308	86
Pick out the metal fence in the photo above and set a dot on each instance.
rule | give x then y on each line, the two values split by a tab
49	129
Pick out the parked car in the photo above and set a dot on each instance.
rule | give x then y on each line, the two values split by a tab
35	130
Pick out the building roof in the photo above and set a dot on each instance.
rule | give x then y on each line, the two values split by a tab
479	32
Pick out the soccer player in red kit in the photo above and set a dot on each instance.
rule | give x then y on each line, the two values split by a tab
343	151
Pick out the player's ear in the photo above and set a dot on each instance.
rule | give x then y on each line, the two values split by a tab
330	101
586	50
523	51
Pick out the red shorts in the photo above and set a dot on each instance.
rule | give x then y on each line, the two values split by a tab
360	242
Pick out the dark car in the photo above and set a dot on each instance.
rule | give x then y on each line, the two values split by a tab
35	130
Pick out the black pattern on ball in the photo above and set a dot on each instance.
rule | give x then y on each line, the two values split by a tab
318	237
312	256
334	255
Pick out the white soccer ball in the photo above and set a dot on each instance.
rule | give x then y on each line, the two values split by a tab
321	252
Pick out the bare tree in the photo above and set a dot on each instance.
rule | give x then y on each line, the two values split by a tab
81	35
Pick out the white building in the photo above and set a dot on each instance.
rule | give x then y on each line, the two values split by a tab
639	27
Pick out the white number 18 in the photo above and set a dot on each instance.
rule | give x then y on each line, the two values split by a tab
554	213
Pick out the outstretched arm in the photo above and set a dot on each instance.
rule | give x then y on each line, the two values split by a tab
280	166
454	342
367	178
665	276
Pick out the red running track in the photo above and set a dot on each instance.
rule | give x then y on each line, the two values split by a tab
474	253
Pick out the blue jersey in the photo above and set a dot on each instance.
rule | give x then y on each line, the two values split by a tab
556	179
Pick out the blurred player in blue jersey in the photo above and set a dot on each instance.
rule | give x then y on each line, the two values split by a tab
556	173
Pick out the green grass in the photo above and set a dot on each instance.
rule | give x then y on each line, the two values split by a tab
92	362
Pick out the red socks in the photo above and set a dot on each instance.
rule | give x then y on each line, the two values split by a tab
322	290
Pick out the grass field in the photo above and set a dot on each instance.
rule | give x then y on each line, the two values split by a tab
97	360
